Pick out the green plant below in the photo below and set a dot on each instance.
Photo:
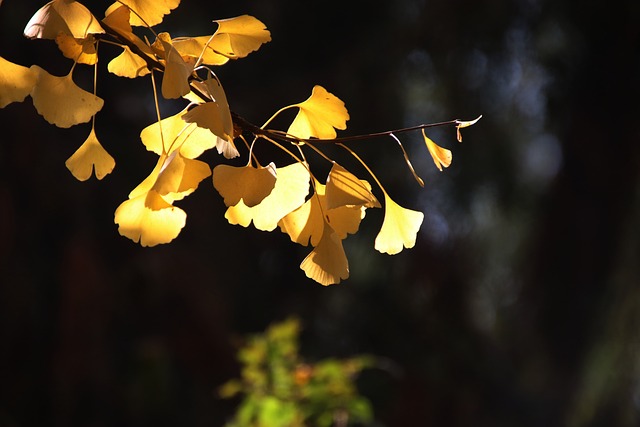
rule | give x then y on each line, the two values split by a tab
280	388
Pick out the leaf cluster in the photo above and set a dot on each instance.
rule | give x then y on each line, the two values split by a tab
280	388
312	210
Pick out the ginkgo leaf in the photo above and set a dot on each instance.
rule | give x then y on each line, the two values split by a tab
175	79
399	228
60	101
91	155
238	37
62	16
290	191
128	64
16	82
249	184
175	133
215	116
149	219
306	224
464	124
180	176
344	189
327	264
441	156
82	51
319	116
117	19
197	47
149	12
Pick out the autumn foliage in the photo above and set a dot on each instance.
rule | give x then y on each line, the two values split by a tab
312	210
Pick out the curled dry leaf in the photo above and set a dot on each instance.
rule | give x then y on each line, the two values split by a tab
441	156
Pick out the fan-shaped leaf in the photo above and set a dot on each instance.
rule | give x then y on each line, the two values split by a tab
62	16
249	184
16	82
91	155
327	264
82	51
399	228
238	37
149	12
345	189
128	64
60	101
319	115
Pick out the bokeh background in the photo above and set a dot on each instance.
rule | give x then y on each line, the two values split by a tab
518	306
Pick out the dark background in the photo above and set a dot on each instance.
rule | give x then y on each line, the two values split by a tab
518	306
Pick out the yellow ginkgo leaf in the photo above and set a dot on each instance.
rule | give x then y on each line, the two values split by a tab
149	219
175	80
60	101
16	82
82	51
179	176
460	124
62	16
306	224
441	156
249	184
128	64
327	264
149	12
319	116
345	189
175	133
117	19
290	191
208	116
91	155
199	47
238	37
399	228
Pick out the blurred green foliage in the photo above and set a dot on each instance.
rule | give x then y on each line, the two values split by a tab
280	388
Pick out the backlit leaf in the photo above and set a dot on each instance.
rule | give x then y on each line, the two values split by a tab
175	79
117	18
149	12
238	37
82	51
344	189
306	224
60	101
149	219
399	228
249	184
190	139
62	16
91	155
327	264
290	191
197	46
128	64
16	82
441	156
319	115
180	176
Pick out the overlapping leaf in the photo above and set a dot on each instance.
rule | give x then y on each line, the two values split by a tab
62	16
89	157
327	263
16	82
149	12
60	101
290	191
128	64
82	51
345	189
319	116
249	184
174	133
238	37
